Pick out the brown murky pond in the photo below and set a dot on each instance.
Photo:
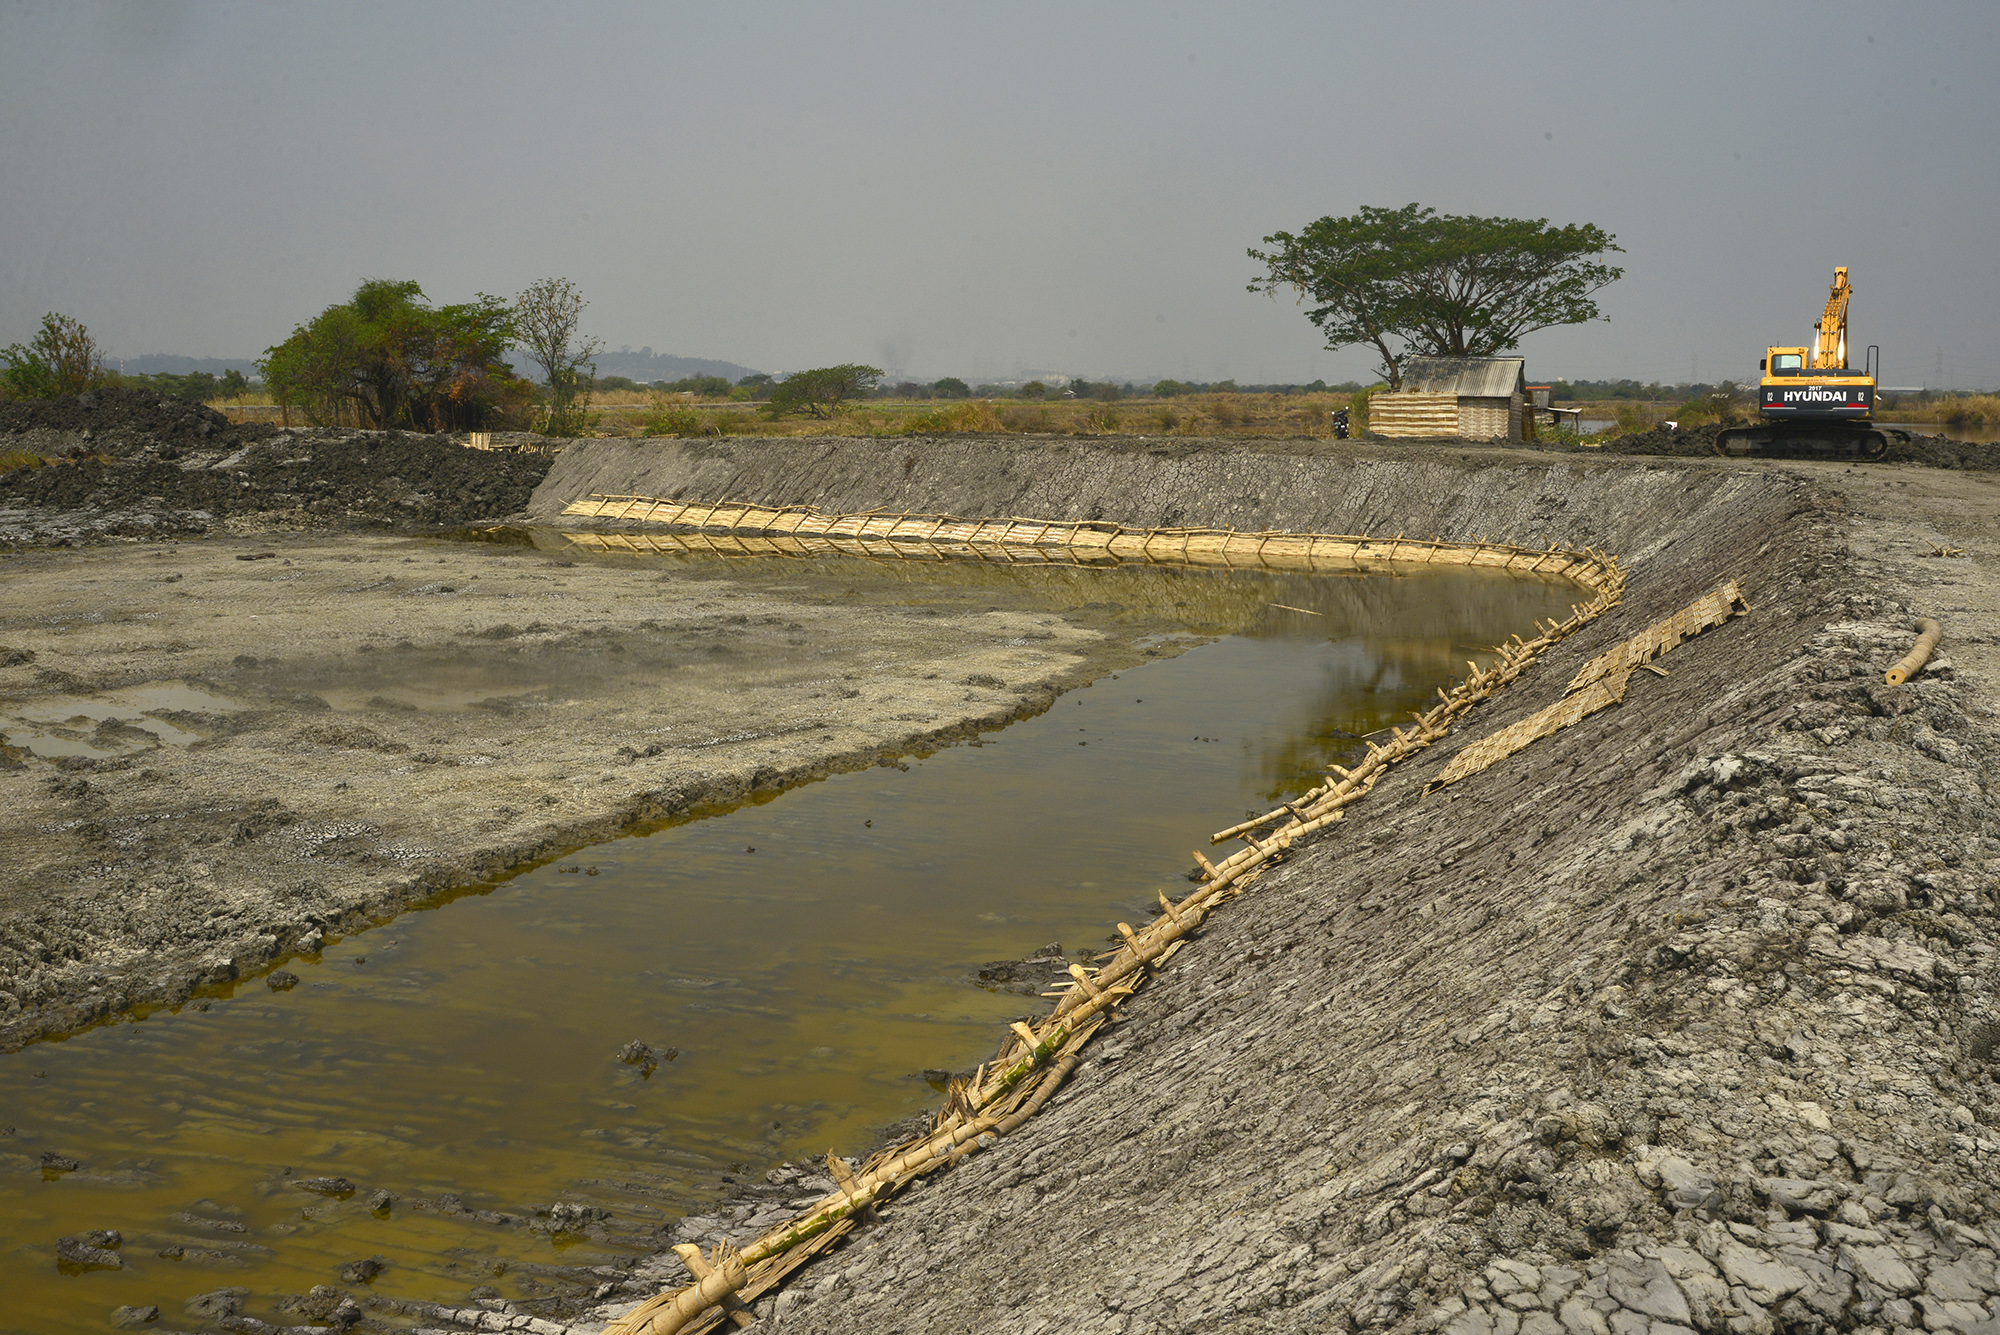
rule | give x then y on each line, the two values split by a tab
810	958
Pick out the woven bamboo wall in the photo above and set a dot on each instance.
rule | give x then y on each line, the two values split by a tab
1413	414
1490	419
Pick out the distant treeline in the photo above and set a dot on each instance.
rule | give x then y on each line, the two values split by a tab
197	385
1649	391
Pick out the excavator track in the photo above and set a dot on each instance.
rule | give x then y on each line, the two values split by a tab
1793	441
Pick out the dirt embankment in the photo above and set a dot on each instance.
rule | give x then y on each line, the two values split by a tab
1682	1019
134	464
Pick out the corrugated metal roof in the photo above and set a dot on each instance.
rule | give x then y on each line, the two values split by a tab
1467	377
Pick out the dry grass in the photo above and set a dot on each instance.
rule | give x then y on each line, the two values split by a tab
13	459
1960	410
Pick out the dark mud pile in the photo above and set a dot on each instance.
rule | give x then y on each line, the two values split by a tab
1699	441
118	422
140	465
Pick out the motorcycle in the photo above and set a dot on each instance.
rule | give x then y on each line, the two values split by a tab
1340	427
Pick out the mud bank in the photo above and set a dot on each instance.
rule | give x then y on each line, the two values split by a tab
228	753
1681	1019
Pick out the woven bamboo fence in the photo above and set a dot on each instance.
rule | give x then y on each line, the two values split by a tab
1600	683
1036	1058
802	530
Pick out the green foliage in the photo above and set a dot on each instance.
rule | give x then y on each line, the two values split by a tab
960	416
678	419
387	359
197	385
63	359
1653	391
675	421
617	382
1721	405
701	386
545	319
1106	390
951	387
1357	409
821	391
1412	281
1034	389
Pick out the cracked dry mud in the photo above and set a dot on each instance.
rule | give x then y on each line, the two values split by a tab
1682	1019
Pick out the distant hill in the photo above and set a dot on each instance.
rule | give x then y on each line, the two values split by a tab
646	366
160	363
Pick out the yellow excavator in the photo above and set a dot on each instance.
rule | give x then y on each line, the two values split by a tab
1810	399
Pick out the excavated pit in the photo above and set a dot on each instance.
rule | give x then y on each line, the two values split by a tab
1681	1018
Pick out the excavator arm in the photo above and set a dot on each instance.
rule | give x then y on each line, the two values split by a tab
1831	354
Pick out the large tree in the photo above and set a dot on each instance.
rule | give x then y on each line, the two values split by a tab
545	321
821	391
63	359
1412	281
386	358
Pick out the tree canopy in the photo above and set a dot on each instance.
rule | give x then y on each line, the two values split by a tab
821	391
1412	281
388	359
62	359
545	320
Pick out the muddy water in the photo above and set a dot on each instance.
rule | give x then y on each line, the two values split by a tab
809	957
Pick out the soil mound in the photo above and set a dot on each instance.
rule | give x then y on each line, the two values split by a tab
1928	451
119	421
177	483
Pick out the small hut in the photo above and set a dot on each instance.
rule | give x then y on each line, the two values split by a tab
1478	398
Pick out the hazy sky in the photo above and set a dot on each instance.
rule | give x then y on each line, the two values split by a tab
985	189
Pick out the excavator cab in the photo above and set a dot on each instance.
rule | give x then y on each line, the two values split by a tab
1783	361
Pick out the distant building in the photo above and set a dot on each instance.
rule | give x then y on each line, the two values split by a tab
1478	398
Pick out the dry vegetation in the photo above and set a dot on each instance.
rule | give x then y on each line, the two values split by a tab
653	413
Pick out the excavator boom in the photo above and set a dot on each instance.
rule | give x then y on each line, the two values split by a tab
1831	354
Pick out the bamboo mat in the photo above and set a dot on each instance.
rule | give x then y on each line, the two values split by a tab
949	537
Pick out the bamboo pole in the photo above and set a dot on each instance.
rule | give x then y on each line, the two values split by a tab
1910	664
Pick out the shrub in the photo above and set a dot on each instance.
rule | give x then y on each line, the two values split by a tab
821	391
1228	412
388	359
1026	419
63	359
1103	418
678	420
968	415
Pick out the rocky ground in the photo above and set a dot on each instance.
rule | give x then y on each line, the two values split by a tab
1683	1019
